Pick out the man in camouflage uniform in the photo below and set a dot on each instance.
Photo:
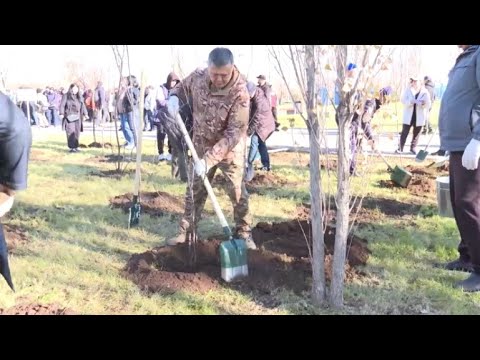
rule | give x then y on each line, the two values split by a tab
220	110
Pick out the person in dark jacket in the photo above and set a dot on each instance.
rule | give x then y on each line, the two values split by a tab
163	93
101	104
15	143
267	91
260	126
73	112
459	124
176	144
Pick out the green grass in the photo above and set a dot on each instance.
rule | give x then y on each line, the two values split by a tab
388	119
78	244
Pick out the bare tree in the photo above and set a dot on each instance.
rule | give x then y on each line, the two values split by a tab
306	63
119	52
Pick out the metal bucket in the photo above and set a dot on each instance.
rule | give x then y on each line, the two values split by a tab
443	197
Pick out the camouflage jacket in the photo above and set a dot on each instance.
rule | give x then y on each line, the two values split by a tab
220	117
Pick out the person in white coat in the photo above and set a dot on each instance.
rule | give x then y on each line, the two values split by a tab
416	102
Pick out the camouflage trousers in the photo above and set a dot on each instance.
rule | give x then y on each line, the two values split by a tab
196	195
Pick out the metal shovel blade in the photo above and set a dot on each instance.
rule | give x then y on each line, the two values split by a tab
421	156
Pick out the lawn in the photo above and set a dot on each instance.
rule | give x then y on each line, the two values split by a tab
388	119
77	245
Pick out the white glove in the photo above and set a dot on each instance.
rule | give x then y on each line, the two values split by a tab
6	203
200	168
471	156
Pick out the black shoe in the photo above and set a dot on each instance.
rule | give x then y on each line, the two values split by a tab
471	284
413	152
457	265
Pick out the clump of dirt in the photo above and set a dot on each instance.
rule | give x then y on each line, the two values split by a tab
14	235
387	184
95	145
422	186
37	309
282	260
432	173
153	203
268	179
115	174
82	146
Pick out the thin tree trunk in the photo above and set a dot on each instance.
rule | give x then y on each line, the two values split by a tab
316	213
343	188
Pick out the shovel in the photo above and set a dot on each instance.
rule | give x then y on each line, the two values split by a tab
422	154
233	252
398	175
134	211
4	267
439	163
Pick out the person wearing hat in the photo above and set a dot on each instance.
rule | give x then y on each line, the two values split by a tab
267	90
260	126
459	124
416	102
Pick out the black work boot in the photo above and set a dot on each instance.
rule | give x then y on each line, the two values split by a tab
458	265
471	284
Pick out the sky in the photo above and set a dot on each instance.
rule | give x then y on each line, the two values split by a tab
46	63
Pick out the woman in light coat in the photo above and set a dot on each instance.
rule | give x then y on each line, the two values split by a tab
416	102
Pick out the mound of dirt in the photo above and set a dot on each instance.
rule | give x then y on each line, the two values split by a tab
432	173
82	146
268	179
14	236
37	309
153	203
422	186
95	145
281	261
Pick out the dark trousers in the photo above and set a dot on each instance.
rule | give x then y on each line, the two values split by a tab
179	157
258	145
416	134
73	133
148	120
161	141
465	198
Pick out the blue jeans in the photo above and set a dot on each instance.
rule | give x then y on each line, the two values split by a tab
126	121
258	145
53	117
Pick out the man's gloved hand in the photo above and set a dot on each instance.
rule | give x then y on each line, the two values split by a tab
471	156
200	168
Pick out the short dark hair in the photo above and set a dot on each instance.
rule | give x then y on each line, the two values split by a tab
220	57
